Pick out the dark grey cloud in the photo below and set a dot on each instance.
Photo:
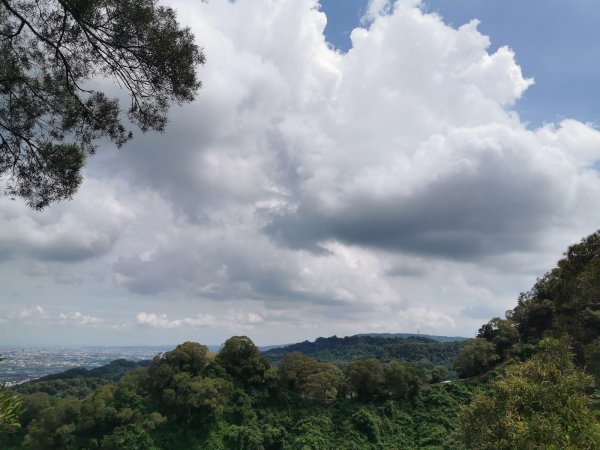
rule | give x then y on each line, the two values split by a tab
66	250
84	229
215	269
463	216
402	270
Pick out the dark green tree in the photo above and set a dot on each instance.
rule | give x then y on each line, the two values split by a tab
365	378
51	113
128	437
242	361
476	357
502	333
439	374
404	379
294	369
189	357
592	359
566	301
190	396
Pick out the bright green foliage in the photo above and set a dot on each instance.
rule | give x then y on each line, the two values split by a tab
50	116
475	357
367	423
183	400
11	408
538	404
129	437
243	437
313	433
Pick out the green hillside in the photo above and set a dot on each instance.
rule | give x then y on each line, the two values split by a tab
79	382
422	350
407	335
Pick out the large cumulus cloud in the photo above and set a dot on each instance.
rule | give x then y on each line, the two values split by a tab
394	183
420	151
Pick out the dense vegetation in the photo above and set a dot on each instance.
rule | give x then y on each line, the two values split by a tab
565	302
407	335
544	401
524	386
188	398
540	403
425	351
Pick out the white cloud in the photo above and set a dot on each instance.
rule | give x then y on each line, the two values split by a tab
404	149
162	321
77	318
32	314
309	191
424	318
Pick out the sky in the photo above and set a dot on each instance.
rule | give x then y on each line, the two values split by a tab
348	167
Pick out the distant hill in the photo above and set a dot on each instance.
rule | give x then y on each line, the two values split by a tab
427	351
80	382
112	371
406	335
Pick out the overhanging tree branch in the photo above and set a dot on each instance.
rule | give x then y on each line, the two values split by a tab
49	50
